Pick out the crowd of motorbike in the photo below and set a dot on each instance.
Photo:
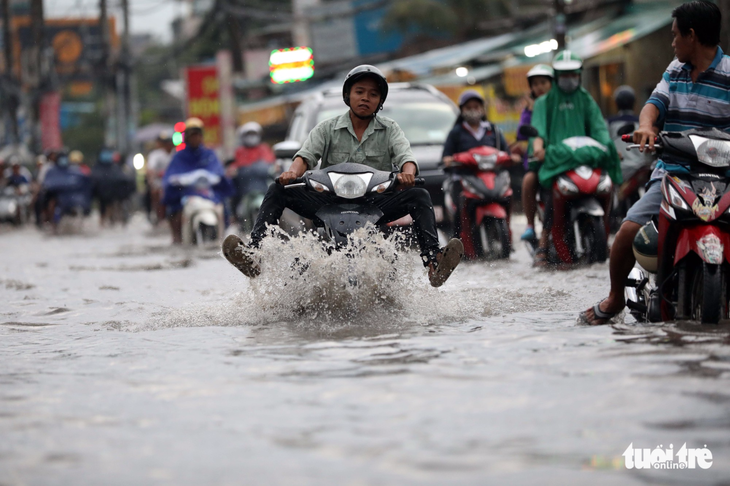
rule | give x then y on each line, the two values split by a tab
62	187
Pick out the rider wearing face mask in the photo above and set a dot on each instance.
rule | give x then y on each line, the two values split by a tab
251	149
567	110
471	130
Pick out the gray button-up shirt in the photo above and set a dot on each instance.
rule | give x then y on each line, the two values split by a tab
383	145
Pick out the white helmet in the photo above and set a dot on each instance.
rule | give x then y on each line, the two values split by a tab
250	127
541	70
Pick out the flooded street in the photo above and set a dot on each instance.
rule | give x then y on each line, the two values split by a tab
126	361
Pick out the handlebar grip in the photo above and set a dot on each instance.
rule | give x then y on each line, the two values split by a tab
627	138
420	181
298	180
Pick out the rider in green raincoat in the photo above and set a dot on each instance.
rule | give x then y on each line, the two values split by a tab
566	111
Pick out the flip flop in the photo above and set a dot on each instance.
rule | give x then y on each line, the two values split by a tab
238	255
598	315
450	257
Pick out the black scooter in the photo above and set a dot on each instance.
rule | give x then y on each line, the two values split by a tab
350	210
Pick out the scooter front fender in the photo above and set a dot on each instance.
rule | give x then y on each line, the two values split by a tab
710	243
491	210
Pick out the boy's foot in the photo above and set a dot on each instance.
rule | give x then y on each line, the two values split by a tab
446	261
239	255
529	234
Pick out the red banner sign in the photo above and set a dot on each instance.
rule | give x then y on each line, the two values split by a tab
50	117
203	101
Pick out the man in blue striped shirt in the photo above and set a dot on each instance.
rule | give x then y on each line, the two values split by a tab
694	92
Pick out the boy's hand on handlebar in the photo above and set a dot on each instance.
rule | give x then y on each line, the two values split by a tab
287	177
448	160
539	155
406	180
645	138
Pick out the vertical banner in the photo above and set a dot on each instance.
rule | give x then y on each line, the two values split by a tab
224	63
203	101
50	118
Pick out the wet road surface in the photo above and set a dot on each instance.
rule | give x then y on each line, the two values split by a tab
126	361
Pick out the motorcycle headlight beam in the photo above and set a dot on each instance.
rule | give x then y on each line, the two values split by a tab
715	153
350	186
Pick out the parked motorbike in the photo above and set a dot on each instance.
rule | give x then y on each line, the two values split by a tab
685	252
15	204
202	217
251	184
481	180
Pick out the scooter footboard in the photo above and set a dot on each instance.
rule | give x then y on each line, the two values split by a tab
708	242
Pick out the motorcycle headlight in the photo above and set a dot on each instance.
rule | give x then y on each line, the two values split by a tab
605	185
381	188
715	153
350	186
318	187
676	199
567	187
12	206
486	162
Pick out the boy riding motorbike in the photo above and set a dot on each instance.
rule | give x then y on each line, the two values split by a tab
566	111
362	137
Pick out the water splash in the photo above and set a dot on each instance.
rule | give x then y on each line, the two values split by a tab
376	283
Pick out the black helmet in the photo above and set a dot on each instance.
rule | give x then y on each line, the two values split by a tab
360	72
624	97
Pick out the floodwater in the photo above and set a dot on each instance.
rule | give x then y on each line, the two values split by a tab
125	361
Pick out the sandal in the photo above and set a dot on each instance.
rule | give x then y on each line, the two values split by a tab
540	258
598	315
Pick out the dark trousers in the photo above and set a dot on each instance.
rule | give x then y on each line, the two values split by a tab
395	205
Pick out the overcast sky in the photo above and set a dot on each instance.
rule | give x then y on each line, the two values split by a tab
146	16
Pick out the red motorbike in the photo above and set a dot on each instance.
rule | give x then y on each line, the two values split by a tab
477	200
689	246
581	200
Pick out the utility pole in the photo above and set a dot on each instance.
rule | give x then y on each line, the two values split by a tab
37	27
10	86
104	72
124	78
559	23
234	32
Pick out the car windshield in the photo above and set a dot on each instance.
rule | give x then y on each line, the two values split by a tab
423	122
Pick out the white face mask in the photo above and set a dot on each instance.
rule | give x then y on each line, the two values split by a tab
568	85
251	140
472	116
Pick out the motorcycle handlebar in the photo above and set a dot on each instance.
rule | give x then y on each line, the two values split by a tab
420	181
629	138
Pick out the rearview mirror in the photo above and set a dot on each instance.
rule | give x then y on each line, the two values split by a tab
626	129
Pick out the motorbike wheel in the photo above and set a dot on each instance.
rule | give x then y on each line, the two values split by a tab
493	239
594	240
709	294
205	234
